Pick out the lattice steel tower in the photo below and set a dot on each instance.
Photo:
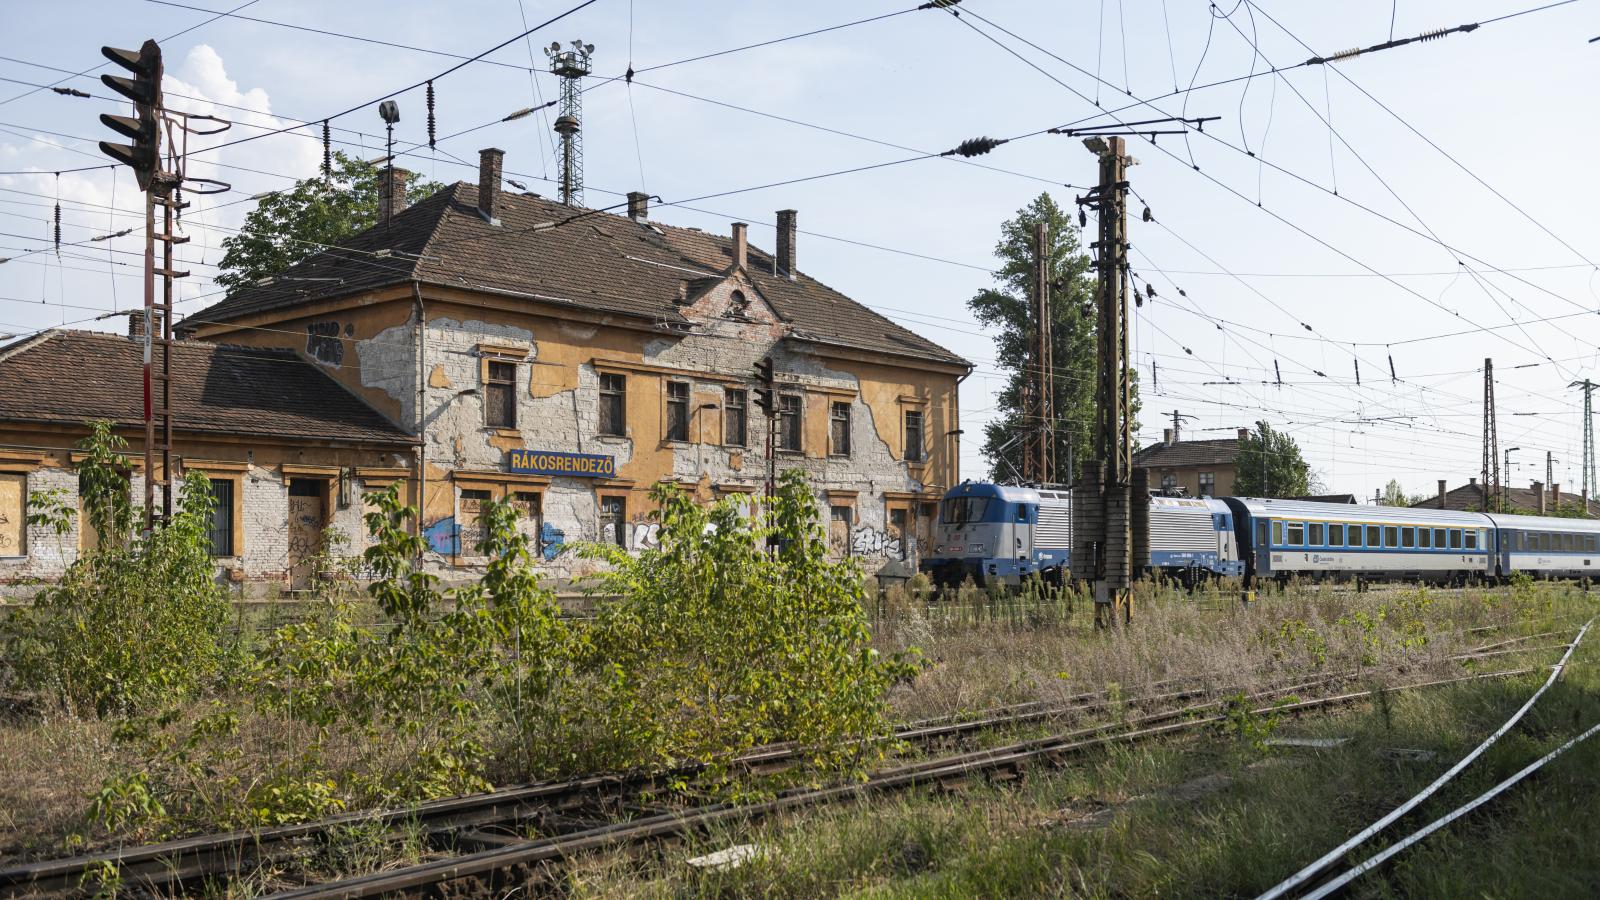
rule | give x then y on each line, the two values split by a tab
1589	483
571	65
1491	440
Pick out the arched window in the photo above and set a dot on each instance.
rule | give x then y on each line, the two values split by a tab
738	306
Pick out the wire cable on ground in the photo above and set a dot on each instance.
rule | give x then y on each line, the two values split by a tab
1332	856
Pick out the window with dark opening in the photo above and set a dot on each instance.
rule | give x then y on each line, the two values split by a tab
790	422
735	417
221	524
500	394
1208	484
613	521
839	429
677	410
613	392
914	443
1335	535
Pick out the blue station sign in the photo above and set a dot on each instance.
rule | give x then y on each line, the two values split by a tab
550	462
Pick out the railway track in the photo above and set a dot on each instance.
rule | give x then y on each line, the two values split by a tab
492	871
495	820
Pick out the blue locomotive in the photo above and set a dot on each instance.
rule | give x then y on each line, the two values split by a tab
1002	535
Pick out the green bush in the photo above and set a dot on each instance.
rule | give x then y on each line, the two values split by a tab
716	644
136	624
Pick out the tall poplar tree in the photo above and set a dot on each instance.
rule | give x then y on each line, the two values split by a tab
1006	309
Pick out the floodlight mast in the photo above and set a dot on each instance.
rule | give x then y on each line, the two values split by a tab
571	66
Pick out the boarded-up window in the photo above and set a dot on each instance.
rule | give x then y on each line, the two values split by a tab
13	515
470	521
530	517
898	533
500	394
839	530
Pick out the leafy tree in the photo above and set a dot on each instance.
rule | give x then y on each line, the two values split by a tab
1286	472
289	225
1007	308
1395	495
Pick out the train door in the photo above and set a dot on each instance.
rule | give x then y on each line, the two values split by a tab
1021	529
1262	546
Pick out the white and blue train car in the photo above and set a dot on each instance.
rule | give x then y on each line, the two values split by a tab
1193	539
999	534
1374	543
1546	547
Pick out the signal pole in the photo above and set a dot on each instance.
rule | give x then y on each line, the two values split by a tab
1112	478
1589	484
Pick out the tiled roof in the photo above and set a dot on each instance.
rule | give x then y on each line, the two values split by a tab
1181	454
600	262
72	376
1470	497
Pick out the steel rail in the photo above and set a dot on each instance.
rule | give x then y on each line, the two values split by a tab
523	856
186	860
1332	856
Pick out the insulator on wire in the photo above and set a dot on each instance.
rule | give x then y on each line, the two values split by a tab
69	92
327	153
1392	378
430	116
1358	372
975	147
1277	373
58	215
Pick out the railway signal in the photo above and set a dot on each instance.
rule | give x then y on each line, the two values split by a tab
144	89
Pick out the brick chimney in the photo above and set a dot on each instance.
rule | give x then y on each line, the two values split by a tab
136	324
1555	498
1166	436
391	192
490	160
787	232
638	205
1538	492
1244	433
1442	494
741	245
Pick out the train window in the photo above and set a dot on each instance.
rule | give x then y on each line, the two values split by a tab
1297	534
1408	537
1472	539
1277	533
1588	543
1455	539
1567	543
1316	534
1335	535
1425	538
1440	538
1022	512
961	510
1391	536
1372	536
1355	535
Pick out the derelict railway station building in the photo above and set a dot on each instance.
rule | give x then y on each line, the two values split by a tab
483	344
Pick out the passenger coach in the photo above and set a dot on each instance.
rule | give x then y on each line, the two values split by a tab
1341	541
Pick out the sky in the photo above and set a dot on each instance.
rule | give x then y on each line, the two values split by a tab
1425	207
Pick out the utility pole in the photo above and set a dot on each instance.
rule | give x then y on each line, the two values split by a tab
1589	483
1113	569
1266	489
1040	451
1549	469
1489	479
1177	425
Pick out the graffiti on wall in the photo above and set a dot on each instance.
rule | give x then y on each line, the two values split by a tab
324	342
869	541
553	540
443	536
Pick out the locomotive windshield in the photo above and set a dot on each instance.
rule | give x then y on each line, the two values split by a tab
961	510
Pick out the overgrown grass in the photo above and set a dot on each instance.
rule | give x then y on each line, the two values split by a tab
1218	815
